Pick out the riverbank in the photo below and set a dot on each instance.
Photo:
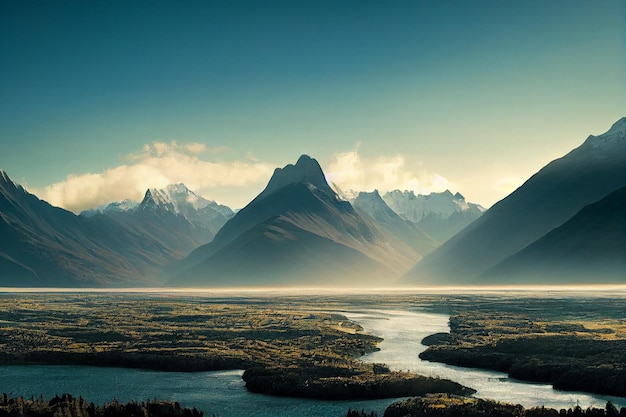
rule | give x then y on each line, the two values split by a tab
288	350
583	356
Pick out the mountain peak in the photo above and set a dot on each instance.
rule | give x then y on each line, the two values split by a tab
176	198
306	170
618	127
155	198
6	183
371	194
4	177
612	138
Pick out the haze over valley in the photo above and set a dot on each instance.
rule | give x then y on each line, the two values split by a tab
313	209
564	225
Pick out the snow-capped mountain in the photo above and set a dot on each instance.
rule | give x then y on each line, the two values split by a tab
371	205
416	207
614	138
180	200
526	221
440	215
47	246
114	207
120	244
347	195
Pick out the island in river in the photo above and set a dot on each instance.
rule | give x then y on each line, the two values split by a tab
286	349
288	344
581	354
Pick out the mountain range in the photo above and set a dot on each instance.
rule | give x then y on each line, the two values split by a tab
298	231
124	245
439	215
542	231
565	224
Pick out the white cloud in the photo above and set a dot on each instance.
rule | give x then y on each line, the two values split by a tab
349	170
196	148
156	165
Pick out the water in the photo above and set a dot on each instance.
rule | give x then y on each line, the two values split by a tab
223	393
403	332
215	393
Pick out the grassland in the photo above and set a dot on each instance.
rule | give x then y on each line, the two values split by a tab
579	354
287	349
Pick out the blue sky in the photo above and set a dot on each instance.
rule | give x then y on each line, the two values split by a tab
99	100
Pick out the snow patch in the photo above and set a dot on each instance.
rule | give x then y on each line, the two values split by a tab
614	138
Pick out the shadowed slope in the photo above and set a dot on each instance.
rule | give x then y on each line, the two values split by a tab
589	248
547	200
303	230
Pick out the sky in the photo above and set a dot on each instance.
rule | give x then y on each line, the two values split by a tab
100	100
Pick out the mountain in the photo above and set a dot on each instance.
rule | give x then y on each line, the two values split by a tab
296	231
373	206
544	202
43	245
180	200
175	217
588	248
46	246
440	215
114	207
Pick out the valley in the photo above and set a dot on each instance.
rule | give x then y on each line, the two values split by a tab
316	345
286	349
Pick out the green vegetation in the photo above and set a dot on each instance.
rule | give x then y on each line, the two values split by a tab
328	384
586	354
287	349
68	406
443	405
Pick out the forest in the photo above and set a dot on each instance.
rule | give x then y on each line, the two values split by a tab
68	406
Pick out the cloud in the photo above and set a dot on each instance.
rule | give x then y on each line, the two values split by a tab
196	148
351	171
156	165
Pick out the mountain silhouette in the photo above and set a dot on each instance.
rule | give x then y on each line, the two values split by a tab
588	248
545	201
296	231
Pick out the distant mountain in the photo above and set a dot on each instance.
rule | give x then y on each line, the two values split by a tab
544	202
114	207
296	231
174	216
373	206
120	245
441	215
588	248
180	200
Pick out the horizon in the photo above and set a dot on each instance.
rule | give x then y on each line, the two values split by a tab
582	289
100	102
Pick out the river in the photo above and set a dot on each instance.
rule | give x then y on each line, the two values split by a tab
223	393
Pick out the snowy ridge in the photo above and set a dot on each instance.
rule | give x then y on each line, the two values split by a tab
117	206
415	207
614	138
181	201
176	198
348	195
